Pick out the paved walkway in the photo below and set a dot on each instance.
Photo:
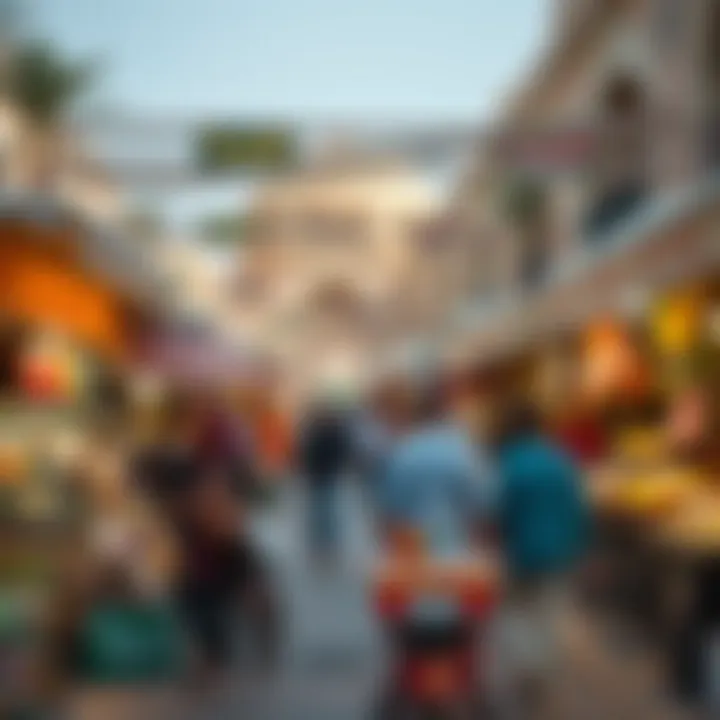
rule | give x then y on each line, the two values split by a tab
333	654
333	651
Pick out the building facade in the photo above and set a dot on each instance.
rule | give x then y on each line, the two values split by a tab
566	233
335	263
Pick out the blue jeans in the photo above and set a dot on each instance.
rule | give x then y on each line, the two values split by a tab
323	515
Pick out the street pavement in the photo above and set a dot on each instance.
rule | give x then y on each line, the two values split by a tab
333	655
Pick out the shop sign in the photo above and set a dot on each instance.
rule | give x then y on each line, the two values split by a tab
546	151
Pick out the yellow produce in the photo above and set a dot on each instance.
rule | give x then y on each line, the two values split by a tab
656	494
698	525
13	465
641	445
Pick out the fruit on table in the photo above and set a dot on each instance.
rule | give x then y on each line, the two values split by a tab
656	494
698	525
13	465
641	444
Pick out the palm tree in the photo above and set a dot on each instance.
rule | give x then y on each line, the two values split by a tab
45	86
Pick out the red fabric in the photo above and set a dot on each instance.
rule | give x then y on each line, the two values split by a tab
584	440
440	678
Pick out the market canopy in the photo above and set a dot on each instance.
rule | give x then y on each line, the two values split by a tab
105	250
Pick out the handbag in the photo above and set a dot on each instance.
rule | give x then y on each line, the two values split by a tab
130	641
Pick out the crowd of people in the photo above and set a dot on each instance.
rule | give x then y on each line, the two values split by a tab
430	465
463	485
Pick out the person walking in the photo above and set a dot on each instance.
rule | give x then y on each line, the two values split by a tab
222	505
197	475
325	450
436	505
544	531
437	480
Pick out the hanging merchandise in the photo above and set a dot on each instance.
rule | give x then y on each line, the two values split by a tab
51	370
678	321
554	378
612	365
38	377
688	419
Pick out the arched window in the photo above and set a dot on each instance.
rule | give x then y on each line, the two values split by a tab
621	166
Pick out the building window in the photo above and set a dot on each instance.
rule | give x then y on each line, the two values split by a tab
622	158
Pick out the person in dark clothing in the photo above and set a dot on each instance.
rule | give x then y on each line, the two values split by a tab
221	572
325	450
544	525
194	474
166	468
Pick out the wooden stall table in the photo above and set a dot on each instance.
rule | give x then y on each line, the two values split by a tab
690	592
629	507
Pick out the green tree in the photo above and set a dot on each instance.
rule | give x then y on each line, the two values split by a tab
46	87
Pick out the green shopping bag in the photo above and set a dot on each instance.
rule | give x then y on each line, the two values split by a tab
130	642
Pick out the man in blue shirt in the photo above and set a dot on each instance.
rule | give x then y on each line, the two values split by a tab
437	482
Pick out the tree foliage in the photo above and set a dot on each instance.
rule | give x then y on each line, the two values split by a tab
45	84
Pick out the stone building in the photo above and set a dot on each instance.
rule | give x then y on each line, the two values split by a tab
615	136
334	263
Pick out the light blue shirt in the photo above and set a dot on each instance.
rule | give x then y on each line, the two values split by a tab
438	481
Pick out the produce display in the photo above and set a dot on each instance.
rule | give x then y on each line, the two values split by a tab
697	525
641	446
656	494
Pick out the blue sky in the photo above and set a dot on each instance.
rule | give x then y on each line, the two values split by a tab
307	60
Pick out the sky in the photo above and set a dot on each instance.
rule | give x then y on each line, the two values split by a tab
304	60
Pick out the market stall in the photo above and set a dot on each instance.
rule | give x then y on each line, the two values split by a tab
660	493
67	326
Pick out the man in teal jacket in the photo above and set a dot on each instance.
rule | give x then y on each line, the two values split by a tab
543	514
544	532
